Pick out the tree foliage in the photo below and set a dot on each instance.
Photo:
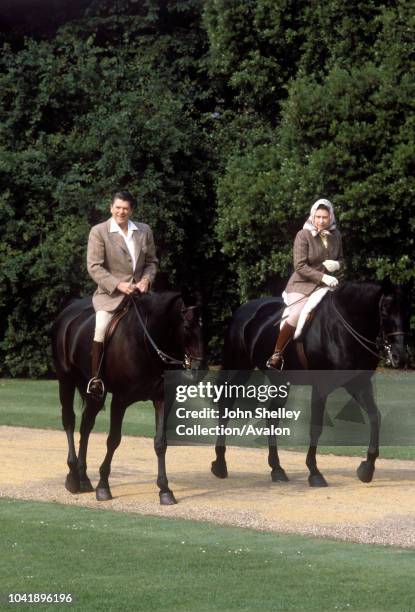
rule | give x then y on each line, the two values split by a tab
107	104
255	47
226	119
347	135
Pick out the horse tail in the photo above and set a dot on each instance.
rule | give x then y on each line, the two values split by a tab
242	334
235	352
62	332
262	331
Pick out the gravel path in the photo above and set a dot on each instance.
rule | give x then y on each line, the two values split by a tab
382	512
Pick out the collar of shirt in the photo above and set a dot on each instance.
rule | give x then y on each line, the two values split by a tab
114	227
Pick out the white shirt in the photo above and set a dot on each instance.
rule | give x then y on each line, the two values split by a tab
129	241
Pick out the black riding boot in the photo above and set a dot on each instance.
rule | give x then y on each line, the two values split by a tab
276	361
95	385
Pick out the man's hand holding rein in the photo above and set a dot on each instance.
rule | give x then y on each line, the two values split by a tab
126	288
143	285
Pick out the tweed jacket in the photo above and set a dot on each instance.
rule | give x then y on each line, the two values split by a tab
309	254
109	262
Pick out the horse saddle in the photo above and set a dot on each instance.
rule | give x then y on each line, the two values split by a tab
119	314
304	321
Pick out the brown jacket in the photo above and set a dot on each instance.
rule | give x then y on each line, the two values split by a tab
109	262
309	253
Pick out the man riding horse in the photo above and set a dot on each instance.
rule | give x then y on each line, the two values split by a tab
157	331
121	259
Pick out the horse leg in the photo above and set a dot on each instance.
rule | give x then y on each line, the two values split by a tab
277	472
367	401
66	395
160	445
219	467
318	404
118	408
89	414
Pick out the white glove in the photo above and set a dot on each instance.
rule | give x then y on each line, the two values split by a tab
330	281
331	265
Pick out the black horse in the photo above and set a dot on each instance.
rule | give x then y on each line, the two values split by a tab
346	332
158	331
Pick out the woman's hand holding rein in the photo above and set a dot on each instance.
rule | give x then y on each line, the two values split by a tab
330	281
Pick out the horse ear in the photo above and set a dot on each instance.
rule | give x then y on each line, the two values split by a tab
188	313
199	299
192	298
386	306
407	288
387	286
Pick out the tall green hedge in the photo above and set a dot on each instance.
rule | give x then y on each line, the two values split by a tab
226	120
346	133
107	103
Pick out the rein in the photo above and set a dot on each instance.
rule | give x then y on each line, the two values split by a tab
362	339
186	363
356	335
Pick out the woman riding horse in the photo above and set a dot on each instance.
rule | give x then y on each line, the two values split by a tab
317	250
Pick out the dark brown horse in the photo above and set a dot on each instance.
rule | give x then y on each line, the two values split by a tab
157	332
347	330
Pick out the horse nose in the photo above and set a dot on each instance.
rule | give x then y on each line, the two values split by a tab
396	360
405	360
400	359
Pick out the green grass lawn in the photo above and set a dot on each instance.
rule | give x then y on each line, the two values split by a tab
116	561
35	403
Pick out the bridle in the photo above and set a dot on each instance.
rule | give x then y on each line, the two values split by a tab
383	346
388	347
186	363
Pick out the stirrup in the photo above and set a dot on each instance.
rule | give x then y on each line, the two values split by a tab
96	388
270	366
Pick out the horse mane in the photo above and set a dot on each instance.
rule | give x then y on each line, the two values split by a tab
242	328
160	309
156	304
358	296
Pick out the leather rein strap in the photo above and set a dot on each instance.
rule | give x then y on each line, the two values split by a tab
362	339
163	356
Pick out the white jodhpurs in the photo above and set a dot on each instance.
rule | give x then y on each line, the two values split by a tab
294	309
102	319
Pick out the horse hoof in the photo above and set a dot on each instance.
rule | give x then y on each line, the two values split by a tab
103	494
86	486
219	469
167	498
317	480
365	471
279	475
72	484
